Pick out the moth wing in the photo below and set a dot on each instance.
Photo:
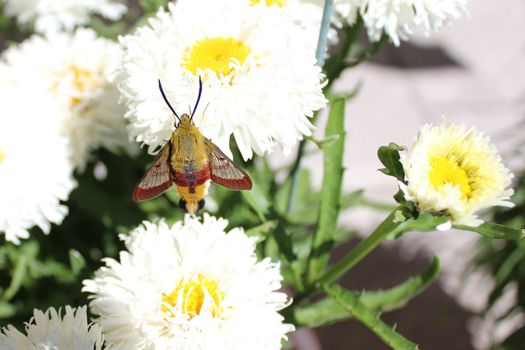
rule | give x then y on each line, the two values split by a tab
224	171
157	178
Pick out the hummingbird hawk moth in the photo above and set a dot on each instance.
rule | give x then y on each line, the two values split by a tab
188	160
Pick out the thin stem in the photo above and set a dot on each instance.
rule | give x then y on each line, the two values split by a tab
295	174
387	227
323	33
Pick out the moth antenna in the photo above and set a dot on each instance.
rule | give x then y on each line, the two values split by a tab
167	102
198	99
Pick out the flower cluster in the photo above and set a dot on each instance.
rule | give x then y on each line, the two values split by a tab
72	71
55	15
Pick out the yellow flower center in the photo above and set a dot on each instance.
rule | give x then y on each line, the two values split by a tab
79	82
269	3
2	156
189	297
83	81
444	171
216	54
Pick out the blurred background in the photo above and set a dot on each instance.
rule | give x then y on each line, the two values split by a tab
474	73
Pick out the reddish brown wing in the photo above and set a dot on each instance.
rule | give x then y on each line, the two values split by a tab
224	171
157	178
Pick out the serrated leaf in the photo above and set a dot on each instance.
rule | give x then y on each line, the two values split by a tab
397	296
495	231
369	317
327	311
389	157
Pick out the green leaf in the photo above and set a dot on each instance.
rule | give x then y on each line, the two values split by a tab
152	5
76	260
396	297
357	198
369	317
389	157
257	201
495	231
284	242
328	311
330	192
326	142
6	310
261	231
425	222
17	279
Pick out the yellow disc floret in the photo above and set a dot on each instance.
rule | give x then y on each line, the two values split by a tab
269	3
216	54
445	171
80	81
193	296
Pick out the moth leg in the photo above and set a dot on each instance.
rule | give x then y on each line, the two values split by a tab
182	204
202	202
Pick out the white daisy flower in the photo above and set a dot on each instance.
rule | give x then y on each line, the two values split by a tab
72	70
51	330
305	14
258	86
399	18
457	171
35	172
189	286
55	15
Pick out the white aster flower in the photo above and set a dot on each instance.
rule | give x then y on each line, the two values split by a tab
398	19
189	286
305	14
55	15
51	330
457	171
35	172
259	87
72	70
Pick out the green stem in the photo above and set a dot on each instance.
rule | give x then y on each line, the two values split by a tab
369	53
336	63
386	228
295	174
323	32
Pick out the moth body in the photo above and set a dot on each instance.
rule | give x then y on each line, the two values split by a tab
189	164
188	161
